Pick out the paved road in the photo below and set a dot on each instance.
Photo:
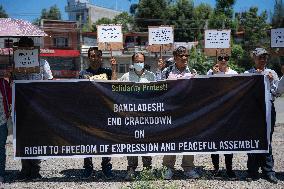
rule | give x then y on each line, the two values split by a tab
279	106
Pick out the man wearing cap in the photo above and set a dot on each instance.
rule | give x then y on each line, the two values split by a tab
31	167
265	161
96	70
179	69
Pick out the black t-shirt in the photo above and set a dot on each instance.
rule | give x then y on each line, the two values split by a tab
91	72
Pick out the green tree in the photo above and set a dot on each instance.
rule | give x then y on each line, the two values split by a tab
3	13
181	16
201	16
255	30
223	15
125	20
237	56
199	61
278	14
150	13
53	13
101	21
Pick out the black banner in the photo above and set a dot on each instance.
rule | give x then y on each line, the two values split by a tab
190	116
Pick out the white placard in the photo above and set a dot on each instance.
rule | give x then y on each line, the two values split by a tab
161	35
187	45
26	58
277	37
109	34
217	39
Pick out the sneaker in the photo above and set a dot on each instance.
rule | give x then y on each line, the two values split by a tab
87	174
22	177
108	173
271	178
35	177
217	174
231	175
168	174
130	174
192	174
252	177
2	182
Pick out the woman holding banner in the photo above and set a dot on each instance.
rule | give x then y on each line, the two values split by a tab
221	67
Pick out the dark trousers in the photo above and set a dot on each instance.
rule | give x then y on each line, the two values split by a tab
228	161
133	162
3	138
264	161
106	165
30	166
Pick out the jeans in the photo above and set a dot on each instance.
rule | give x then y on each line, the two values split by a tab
3	138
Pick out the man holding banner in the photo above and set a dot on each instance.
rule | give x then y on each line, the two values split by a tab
264	161
31	167
97	72
138	74
179	70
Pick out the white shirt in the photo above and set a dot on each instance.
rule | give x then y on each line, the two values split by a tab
230	71
132	76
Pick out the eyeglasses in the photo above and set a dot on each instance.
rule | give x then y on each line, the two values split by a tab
182	55
221	58
263	56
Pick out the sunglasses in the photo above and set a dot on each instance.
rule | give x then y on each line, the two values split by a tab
182	55
221	58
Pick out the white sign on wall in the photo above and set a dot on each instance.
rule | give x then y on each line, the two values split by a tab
217	39
161	35
109	33
277	37
26	58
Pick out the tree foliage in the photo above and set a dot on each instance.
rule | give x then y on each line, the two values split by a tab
123	18
150	13
278	15
180	15
3	13
53	13
223	15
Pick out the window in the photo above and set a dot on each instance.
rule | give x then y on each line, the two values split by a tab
8	43
60	42
123	68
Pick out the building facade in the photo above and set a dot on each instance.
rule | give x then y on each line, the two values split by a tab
86	13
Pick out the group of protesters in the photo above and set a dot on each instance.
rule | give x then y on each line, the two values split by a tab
176	67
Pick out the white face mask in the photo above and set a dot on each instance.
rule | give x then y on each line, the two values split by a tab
139	66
